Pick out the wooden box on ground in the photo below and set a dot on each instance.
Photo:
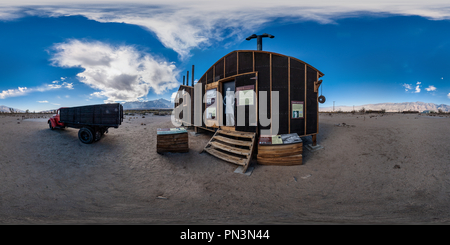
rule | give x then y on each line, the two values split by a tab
285	149
172	140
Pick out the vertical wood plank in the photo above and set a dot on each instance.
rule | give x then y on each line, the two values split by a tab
270	92
289	95
317	99
237	63
257	107
253	58
305	106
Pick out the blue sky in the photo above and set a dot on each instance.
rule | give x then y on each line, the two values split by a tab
55	54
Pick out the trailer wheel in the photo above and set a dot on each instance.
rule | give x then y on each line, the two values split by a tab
98	134
85	135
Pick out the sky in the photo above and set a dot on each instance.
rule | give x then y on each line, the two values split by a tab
69	53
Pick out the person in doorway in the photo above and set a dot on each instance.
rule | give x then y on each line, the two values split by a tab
229	107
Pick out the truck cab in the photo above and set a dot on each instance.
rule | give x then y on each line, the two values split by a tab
54	121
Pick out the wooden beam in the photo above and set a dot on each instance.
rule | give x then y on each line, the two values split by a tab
237	63
212	85
317	99
289	95
270	93
253	54
304	106
317	84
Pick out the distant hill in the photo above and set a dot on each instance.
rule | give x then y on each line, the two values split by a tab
6	109
393	107
153	104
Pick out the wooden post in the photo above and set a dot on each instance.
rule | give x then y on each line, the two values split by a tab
289	95
314	139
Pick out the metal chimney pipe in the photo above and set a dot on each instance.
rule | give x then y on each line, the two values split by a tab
259	39
192	75
187	79
183	79
259	42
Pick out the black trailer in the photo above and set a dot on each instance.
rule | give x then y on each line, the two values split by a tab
92	120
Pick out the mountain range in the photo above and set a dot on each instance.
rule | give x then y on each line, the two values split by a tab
153	104
6	109
392	107
389	107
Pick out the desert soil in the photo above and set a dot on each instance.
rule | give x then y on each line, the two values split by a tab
390	169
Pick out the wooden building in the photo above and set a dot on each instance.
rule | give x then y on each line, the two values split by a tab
241	71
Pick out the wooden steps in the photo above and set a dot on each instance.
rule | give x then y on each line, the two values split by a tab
232	146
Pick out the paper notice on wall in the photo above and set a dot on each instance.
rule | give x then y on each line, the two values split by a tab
297	109
211	113
276	139
246	97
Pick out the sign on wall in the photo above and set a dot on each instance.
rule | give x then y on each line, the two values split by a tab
211	106
245	95
297	109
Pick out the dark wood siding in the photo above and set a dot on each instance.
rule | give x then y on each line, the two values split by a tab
219	74
231	64
262	66
280	84
244	80
245	62
311	102
210	75
297	93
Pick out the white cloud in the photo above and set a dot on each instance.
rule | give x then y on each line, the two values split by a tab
20	91
430	88
14	92
407	87
448	95
417	89
43	101
121	73
68	85
183	26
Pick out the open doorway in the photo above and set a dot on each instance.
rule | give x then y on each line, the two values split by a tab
228	103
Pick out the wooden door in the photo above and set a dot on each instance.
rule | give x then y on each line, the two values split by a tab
246	102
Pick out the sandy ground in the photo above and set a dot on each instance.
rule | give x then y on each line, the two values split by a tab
391	169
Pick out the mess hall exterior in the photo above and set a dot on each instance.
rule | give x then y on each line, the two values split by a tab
249	91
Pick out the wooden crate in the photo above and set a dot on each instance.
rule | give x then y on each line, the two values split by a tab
172	140
288	152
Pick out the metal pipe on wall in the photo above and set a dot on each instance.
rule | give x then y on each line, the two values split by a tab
187	79
192	75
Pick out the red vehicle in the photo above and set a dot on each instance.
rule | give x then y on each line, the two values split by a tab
92	120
